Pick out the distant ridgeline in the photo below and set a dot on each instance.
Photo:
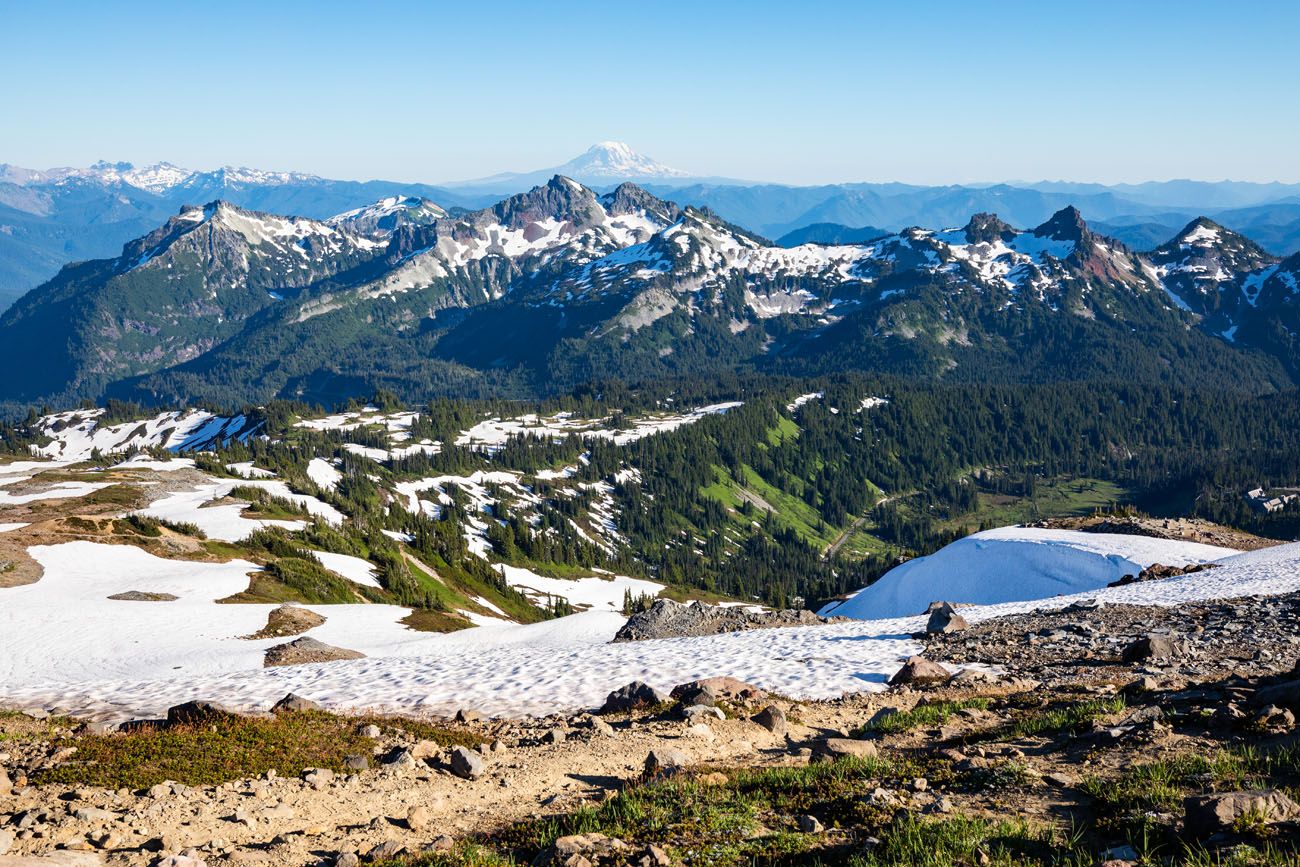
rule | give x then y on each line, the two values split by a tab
757	487
561	286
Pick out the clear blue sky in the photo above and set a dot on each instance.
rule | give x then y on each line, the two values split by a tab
805	92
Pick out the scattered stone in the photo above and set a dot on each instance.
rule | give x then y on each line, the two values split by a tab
94	814
369	731
665	763
1123	854
701	712
356	763
693	694
631	697
581	849
773	719
919	671
600	727
306	650
555	736
318	778
810	825
1207	814
944	619
467	715
654	856
725	688
347	859
466	764
700	730
1275	718
293	703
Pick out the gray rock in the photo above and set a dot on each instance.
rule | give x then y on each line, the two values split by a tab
944	619
702	713
631	697
369	731
292	703
600	727
385	850
692	694
1152	648
669	619
920	671
347	859
356	763
318	778
773	719
94	814
466	715
466	764
307	650
198	713
810	825
1208	814
417	818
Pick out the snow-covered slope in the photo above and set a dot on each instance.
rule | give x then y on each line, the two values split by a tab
75	435
55	646
1017	563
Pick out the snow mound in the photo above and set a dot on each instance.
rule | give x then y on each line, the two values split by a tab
1014	564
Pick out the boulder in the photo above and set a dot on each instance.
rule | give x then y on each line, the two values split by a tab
466	764
669	619
631	697
198	713
417	818
385	851
773	719
945	619
579	849
292	703
838	748
288	619
665	763
692	694
1208	814
1152	648
1286	694
920	671
724	688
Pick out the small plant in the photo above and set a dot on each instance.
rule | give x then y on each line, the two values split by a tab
922	716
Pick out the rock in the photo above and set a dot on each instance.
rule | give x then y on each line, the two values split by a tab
198	713
417	818
442	843
1286	694
1152	648
1057	778
725	688
810	825
600	727
466	764
466	715
143	596
556	736
631	697
94	814
385	851
356	763
944	619
369	731
773	719
920	671
280	810
425	749
1275	718
347	859
665	763
6	840
654	856
160	790
579	849
700	730
1123	854
180	861
837	748
6	784
692	694
702	712
1207	814
669	619
306	650
1145	683
289	619
400	760
292	703
318	778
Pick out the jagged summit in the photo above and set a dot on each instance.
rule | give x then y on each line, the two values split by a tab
987	228
1066	224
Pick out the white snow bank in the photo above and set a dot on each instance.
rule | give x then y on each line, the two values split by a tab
144	462
322	472
354	569
227	522
1011	564
5	528
57	647
601	593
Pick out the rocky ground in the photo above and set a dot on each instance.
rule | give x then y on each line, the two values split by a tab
1185	529
1117	735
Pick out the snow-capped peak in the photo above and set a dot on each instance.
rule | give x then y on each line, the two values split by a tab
616	159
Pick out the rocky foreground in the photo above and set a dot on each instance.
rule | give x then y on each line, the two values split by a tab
1117	735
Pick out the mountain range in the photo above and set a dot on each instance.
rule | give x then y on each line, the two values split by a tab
564	285
49	218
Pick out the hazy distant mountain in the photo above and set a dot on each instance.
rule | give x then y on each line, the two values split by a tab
604	164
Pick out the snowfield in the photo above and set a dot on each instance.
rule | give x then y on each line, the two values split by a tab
227	522
62	642
1012	564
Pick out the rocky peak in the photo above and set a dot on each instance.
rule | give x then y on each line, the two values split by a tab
987	228
628	198
560	198
1065	225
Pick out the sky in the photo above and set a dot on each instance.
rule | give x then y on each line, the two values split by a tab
810	92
